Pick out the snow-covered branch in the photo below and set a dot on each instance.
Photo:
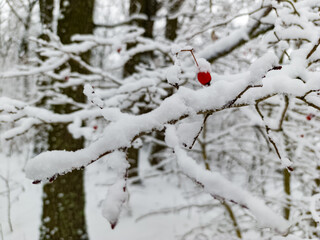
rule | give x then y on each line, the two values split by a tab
184	103
222	189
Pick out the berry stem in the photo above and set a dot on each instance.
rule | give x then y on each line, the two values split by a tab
191	51
194	58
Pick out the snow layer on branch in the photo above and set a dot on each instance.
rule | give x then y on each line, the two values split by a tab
219	187
23	125
136	85
188	130
112	205
184	103
92	96
78	131
117	194
47	66
224	44
171	137
173	75
118	163
285	162
10	105
235	38
260	67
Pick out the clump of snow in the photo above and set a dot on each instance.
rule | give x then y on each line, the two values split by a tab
261	66
187	131
117	193
118	163
171	138
283	45
137	143
78	131
285	162
112	114
112	205
204	65
92	96
173	75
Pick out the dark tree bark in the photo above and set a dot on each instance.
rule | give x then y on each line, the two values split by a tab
46	12
172	23
77	18
149	9
170	34
63	215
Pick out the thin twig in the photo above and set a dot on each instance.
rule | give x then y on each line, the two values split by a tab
268	131
191	51
309	103
284	51
229	104
234	220
16	13
313	49
175	209
286	99
225	22
292	5
200	130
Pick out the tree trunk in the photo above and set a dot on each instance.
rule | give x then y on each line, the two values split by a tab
148	8
170	34
63	215
172	23
46	12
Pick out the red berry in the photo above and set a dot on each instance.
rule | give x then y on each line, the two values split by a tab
310	116
119	50
204	78
302	135
66	78
95	127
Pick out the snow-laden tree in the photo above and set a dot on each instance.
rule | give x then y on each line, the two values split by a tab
248	140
